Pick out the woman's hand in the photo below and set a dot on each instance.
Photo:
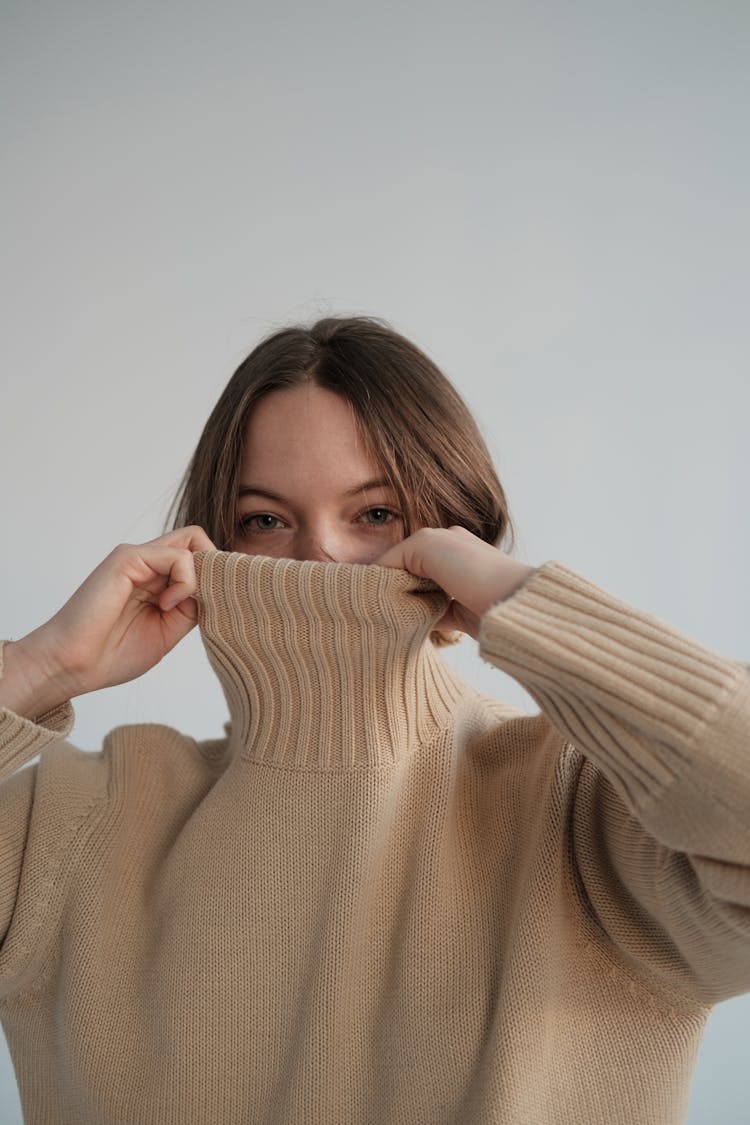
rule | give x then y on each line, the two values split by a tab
474	574
129	613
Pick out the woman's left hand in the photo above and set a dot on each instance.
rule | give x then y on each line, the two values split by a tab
474	574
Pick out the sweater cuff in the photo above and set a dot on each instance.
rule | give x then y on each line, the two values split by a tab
22	739
581	652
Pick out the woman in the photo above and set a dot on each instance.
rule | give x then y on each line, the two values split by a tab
381	897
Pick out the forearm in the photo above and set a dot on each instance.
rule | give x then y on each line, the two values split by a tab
659	821
627	689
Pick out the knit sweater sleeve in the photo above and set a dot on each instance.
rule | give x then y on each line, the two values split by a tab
21	739
660	822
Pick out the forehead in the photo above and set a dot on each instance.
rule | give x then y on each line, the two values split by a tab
302	430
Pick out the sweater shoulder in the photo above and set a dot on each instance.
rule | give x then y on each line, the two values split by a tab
77	810
132	757
501	731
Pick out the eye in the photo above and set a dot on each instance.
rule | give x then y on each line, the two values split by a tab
247	522
386	516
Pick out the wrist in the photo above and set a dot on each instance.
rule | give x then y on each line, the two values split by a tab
524	573
515	575
31	685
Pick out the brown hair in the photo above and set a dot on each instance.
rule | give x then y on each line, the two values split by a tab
414	424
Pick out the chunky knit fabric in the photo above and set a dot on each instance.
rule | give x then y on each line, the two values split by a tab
383	897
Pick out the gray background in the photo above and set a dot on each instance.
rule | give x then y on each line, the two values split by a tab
551	199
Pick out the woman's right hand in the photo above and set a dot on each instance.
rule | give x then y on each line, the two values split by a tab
122	620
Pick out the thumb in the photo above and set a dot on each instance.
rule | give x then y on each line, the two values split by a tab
188	607
457	616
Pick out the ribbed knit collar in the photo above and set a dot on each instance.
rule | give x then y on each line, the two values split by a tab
325	666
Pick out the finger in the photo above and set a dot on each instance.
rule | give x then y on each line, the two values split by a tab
410	553
188	608
155	569
182	581
192	537
392	557
456	621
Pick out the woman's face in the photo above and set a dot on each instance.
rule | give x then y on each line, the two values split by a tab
308	489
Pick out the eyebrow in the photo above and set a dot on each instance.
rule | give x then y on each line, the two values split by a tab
246	489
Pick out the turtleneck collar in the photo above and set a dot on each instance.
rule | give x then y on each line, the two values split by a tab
324	666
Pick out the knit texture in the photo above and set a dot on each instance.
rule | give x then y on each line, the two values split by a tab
383	898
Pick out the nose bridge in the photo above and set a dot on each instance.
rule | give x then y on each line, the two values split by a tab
321	540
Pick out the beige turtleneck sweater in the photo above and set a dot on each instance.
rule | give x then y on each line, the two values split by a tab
383	898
